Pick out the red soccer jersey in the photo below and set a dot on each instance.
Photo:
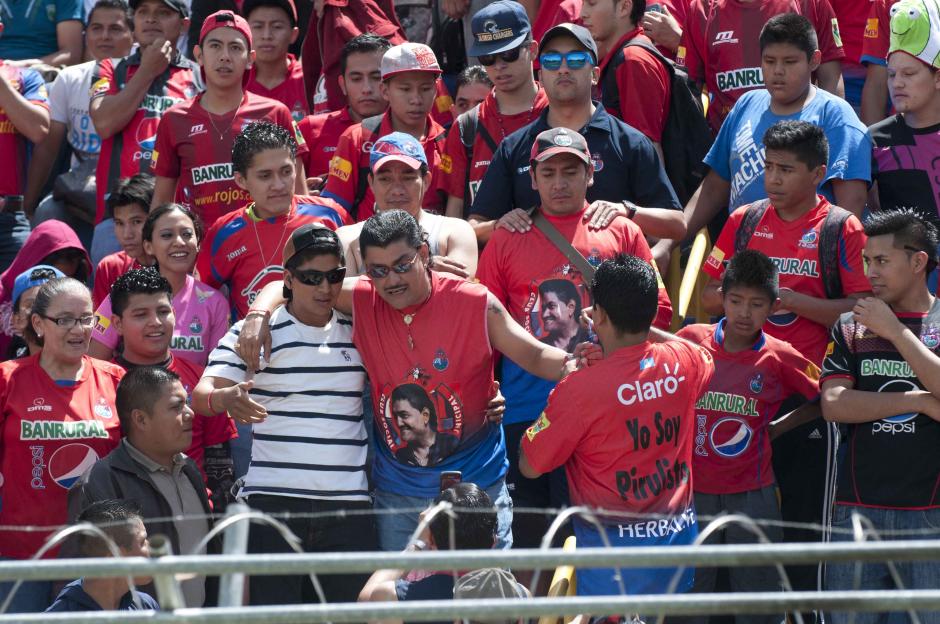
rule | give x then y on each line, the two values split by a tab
192	147
877	35
290	93
29	84
623	428
244	253
498	127
131	150
443	103
793	247
720	46
321	134
350	166
732	448
643	86
678	9
51	434
851	15
109	269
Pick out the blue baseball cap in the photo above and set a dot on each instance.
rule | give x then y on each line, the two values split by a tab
499	26
35	276
397	146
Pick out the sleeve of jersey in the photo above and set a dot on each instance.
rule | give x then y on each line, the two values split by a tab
305	127
876	38
850	147
102	80
286	121
34	88
224	362
344	169
103	330
703	362
800	376
205	267
68	10
488	270
494	197
454	149
827	30
718	157
551	440
644	93
641	249
839	361
851	265
714	265
650	183
166	162
691	47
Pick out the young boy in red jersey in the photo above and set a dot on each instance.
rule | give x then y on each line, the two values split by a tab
623	430
242	250
129	203
193	155
276	74
409	76
361	83
754	374
143	316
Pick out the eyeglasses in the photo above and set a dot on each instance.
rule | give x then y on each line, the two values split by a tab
576	59
509	56
312	277
68	322
378	271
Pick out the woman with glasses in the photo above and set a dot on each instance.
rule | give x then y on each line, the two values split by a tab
58	417
24	294
171	235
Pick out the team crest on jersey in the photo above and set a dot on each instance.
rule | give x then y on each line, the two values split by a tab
757	383
195	326
102	409
440	360
598	162
540	425
809	239
931	340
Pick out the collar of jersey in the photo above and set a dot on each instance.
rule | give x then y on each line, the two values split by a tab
599	120
720	336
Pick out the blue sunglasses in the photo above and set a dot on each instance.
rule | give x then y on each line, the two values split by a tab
576	59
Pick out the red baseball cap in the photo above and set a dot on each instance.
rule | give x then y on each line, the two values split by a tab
226	19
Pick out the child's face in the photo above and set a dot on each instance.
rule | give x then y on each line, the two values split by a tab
746	309
128	226
788	181
787	71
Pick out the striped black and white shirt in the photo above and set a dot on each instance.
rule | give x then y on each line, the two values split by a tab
313	442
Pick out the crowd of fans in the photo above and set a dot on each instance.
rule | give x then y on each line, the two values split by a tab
348	260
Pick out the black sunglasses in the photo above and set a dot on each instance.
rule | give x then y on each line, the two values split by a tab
312	277
508	56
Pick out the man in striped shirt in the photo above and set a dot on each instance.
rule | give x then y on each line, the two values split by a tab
309	441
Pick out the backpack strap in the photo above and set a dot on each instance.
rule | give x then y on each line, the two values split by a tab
564	246
753	213
469	125
371	124
831	251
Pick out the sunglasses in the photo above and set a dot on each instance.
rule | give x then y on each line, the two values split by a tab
378	271
312	277
509	56
576	59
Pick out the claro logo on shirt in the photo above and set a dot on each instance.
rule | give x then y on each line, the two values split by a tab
640	391
220	172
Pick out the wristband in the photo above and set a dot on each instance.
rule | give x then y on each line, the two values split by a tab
211	393
631	209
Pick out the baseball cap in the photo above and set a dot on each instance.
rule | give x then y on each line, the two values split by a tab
287	5
409	57
306	236
225	19
489	583
582	34
497	27
177	5
556	141
35	276
397	146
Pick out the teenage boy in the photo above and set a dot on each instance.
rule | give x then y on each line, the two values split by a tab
142	314
545	292
128	98
275	73
626	166
409	74
880	380
717	47
754	374
473	85
789	55
360	80
241	248
623	430
194	140
515	101
129	204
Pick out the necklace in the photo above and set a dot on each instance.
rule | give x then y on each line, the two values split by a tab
499	115
277	248
227	125
408	318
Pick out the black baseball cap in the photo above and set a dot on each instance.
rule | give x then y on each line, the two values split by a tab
177	5
308	235
582	34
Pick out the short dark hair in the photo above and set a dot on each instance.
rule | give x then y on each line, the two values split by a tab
626	287
419	399
115	518
146	281
167	208
636	13
475	521
46	295
249	6
792	29
140	389
565	289
386	227
472	74
257	137
804	140
362	44
120	5
752	269
911	232
136	190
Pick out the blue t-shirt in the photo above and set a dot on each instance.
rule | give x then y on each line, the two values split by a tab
73	597
29	26
738	153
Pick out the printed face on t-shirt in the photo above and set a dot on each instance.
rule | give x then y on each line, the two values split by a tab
410	96
787	71
108	34
271	33
562	182
911	84
560	305
155	20
397	186
890	270
565	84
416	426
362	84
225	57
269	180
146	324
